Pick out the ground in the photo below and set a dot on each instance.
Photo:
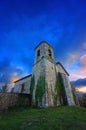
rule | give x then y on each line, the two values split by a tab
58	118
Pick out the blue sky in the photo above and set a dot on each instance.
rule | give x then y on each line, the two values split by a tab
24	23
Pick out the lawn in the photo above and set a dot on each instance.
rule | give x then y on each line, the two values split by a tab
58	118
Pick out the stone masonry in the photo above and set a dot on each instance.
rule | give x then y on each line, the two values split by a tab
13	99
46	66
45	71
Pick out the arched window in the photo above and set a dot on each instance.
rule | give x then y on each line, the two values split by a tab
22	87
49	52
38	53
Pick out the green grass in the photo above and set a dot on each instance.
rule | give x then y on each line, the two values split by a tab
58	118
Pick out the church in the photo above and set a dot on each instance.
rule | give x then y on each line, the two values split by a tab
49	83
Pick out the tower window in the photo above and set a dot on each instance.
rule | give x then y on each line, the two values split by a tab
49	52
22	87
38	53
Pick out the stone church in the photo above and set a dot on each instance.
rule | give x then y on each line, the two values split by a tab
49	83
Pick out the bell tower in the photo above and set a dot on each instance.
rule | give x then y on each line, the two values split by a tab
44	50
44	74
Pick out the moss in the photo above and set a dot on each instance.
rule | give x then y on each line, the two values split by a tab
40	89
24	100
60	90
74	95
32	85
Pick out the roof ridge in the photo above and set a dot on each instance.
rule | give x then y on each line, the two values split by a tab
23	78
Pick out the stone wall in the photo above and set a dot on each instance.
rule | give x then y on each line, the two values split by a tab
50	78
18	86
44	52
44	66
68	90
13	99
67	85
38	70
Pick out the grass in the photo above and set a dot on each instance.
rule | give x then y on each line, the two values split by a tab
58	118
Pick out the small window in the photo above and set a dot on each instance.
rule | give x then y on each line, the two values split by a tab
22	87
38	53
12	90
49	52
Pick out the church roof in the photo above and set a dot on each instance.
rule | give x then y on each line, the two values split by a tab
42	43
63	68
23	78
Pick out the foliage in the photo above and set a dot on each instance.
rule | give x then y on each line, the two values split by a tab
82	100
40	88
74	95
57	118
12	89
24	100
60	89
4	88
32	85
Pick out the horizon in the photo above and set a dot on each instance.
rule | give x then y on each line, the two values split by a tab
24	24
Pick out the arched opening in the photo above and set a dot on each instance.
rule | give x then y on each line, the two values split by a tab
38	53
22	87
49	52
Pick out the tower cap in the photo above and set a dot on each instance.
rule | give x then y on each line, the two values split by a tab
42	43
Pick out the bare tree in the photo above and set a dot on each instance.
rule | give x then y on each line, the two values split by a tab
82	100
4	87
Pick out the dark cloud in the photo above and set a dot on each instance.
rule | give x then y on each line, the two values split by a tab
9	71
24	23
79	82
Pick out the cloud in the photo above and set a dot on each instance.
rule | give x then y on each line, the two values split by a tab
9	71
14	77
72	57
76	66
25	24
81	89
84	46
83	62
76	74
80	85
79	82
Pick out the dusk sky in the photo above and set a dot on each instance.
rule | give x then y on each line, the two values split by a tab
25	23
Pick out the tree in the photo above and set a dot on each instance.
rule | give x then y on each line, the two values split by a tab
75	95
4	88
82	100
12	89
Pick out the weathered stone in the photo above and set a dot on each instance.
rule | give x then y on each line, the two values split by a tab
12	99
45	65
23	85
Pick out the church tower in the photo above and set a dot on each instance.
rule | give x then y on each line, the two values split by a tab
44	74
50	82
44	50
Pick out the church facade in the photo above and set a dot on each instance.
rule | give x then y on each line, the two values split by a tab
49	83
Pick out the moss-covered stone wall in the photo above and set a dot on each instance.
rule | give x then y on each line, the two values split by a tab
40	90
13	99
60	94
